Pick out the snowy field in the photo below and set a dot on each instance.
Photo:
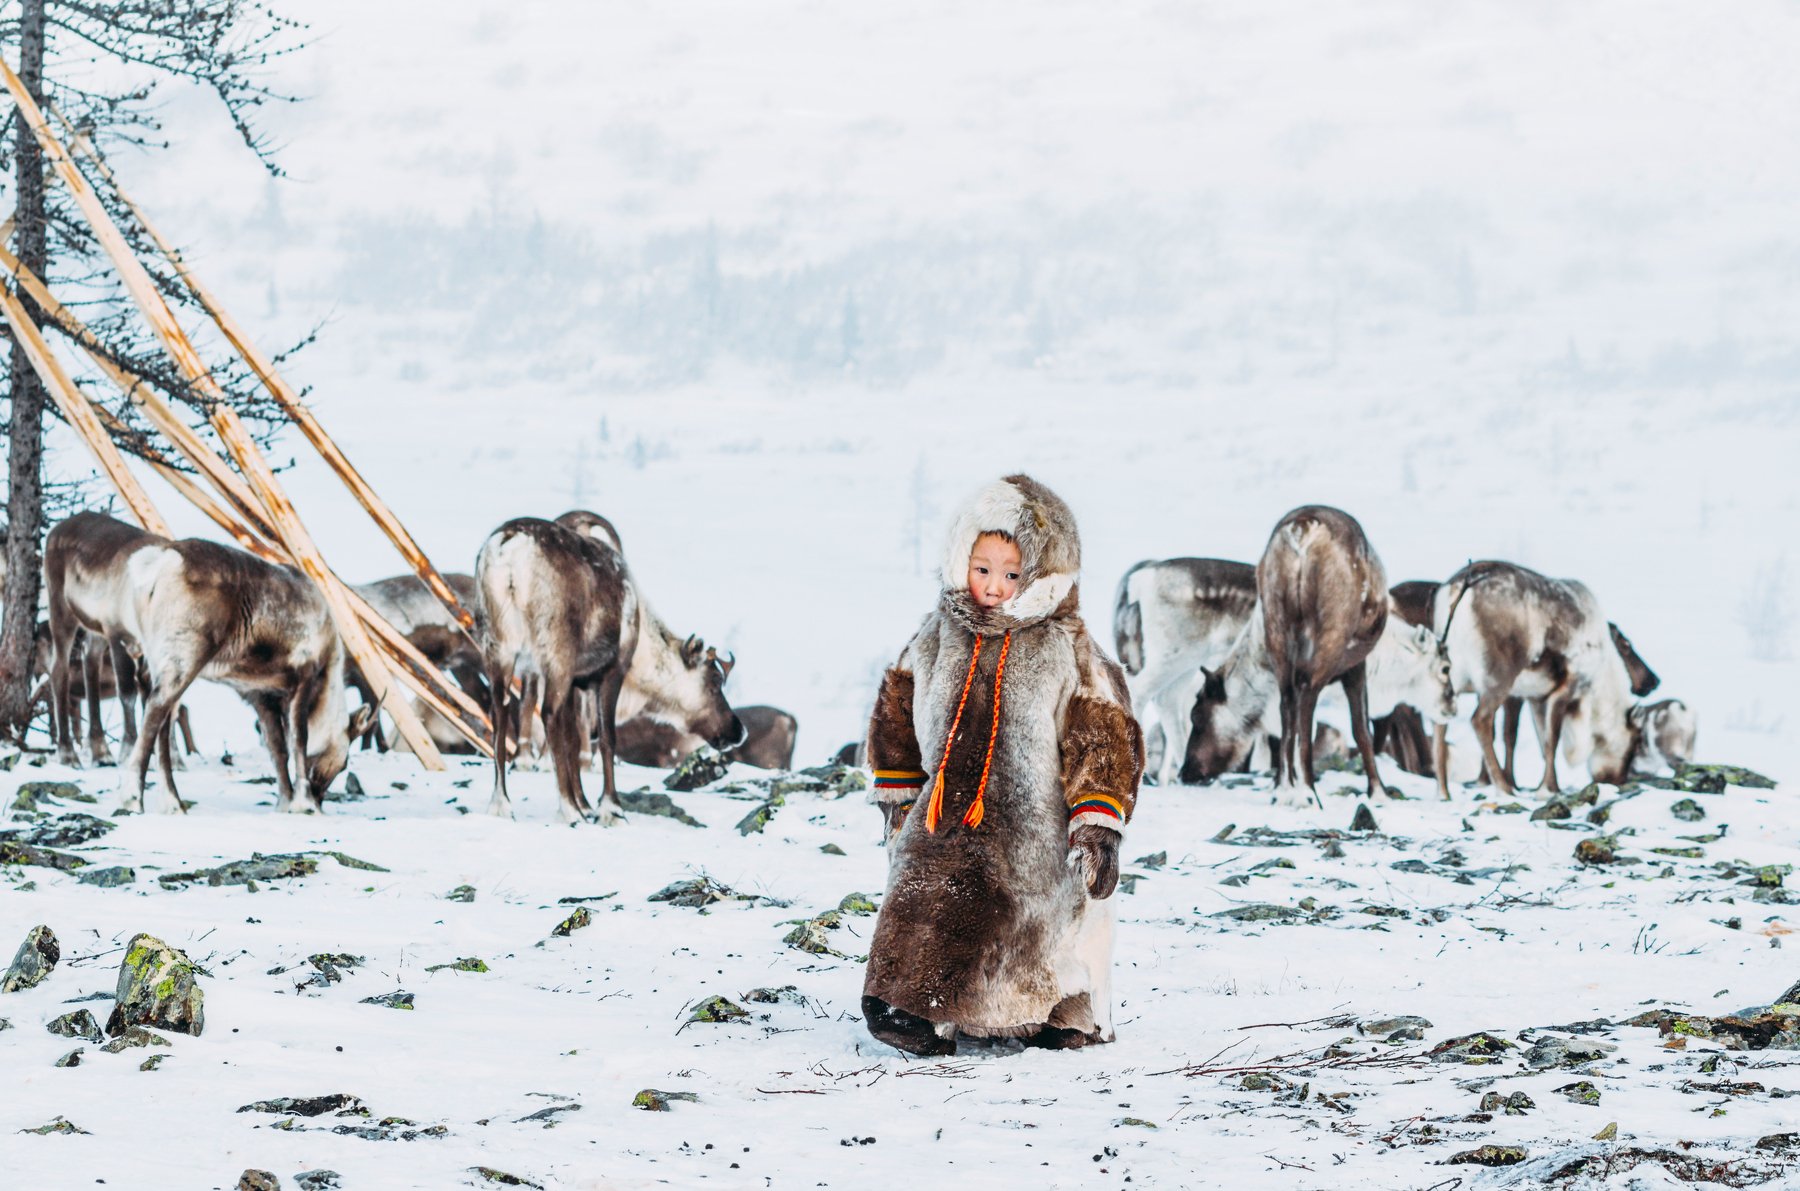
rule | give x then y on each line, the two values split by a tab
773	287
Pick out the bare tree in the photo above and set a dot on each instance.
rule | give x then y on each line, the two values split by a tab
221	45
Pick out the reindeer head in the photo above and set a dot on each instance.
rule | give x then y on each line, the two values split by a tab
1427	674
1220	741
1663	734
698	695
328	757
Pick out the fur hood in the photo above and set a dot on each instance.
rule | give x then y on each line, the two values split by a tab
1043	527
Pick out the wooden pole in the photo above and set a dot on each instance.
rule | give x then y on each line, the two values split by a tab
290	530
416	671
283	393
74	405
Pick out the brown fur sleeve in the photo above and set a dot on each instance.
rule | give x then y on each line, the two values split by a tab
1102	746
893	745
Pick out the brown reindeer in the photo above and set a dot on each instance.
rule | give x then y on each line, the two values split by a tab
88	594
197	609
769	734
406	603
560	606
1513	633
1324	602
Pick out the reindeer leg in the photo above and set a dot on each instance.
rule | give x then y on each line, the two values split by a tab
166	690
1303	743
501	713
1512	712
165	762
587	705
1356	690
1284	754
1483	720
98	752
125	686
606	707
1440	758
306	800
187	731
270	716
63	631
1553	709
562	728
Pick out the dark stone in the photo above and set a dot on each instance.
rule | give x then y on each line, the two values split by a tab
702	767
1550	1051
1364	819
462	893
1598	850
35	960
1554	809
134	1036
651	1100
1382	1027
14	852
1688	811
258	1180
393	1000
466	964
831	850
717	1010
107	878
318	1180
1476	1049
28	795
65	831
698	893
72	1059
79	1024
1259	912
856	903
1580	1092
577	919
547	1116
1489	1155
810	935
158	987
340	1103
504	1179
756	820
643	802
1153	861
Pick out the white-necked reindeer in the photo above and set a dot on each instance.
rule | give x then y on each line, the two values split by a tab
559	607
197	609
1238	705
406	603
1171	618
1513	633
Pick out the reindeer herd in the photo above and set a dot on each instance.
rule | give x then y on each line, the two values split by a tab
1226	662
1224	659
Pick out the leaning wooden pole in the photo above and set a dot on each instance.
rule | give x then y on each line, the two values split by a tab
80	415
283	393
230	429
251	528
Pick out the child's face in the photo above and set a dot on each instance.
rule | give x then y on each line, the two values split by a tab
993	570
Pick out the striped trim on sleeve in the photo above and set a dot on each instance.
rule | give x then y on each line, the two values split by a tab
1099	807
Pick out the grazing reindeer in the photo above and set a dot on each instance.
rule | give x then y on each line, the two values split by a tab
1665	732
1238	704
1321	609
197	609
1170	619
87	591
1324	598
406	603
592	525
560	607
1511	632
769	734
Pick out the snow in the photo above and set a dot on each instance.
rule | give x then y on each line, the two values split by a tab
774	287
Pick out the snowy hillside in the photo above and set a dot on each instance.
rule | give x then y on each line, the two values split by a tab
773	287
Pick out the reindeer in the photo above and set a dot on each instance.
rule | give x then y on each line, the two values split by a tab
406	603
1665	733
1170	619
769	734
197	609
1238	704
560	606
85	592
1513	633
1319	617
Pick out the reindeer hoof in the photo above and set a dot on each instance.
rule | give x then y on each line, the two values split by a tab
170	804
304	806
1296	797
501	808
608	817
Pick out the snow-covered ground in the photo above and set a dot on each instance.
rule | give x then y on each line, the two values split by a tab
772	287
798	1095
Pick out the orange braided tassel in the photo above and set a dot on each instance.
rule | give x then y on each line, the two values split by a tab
934	810
972	817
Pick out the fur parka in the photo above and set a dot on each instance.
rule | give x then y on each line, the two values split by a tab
988	927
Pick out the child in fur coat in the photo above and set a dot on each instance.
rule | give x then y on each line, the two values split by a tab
1006	764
